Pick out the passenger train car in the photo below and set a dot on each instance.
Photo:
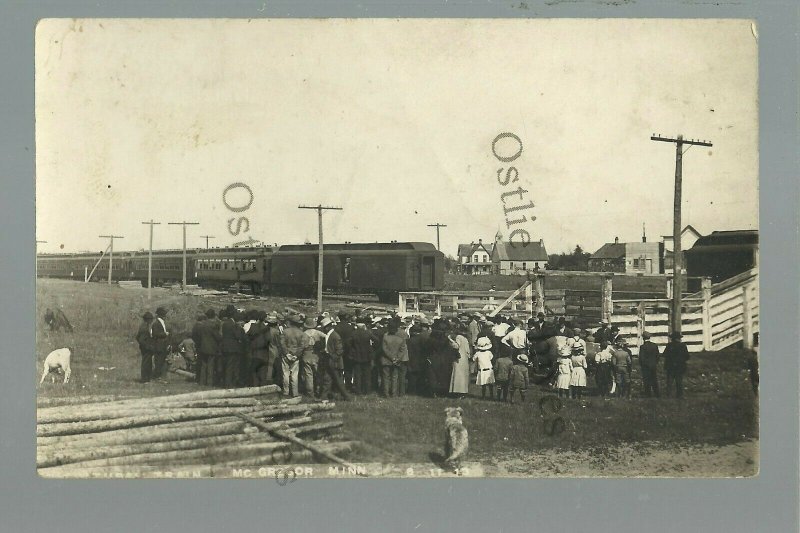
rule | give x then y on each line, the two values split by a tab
383	269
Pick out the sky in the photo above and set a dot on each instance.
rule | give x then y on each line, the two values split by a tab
394	121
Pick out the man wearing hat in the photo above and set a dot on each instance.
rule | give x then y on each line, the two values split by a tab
145	340
345	330
293	344
362	355
160	335
676	353
208	347
259	349
602	334
273	336
648	361
309	363
233	345
331	364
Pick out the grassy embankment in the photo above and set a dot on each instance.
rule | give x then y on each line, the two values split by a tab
719	407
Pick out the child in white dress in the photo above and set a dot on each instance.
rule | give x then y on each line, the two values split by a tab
483	363
564	375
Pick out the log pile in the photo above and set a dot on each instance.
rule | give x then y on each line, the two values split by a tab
201	432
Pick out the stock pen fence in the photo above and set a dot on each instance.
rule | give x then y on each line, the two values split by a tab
715	317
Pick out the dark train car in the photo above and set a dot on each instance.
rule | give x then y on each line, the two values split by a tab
77	266
223	267
383	269
723	254
167	266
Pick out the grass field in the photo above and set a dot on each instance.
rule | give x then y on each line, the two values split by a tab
713	431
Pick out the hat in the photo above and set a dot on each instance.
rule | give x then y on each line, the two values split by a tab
423	321
310	323
343	315
230	310
147	315
646	335
211	313
483	344
325	322
604	322
295	318
522	358
376	319
161	311
272	318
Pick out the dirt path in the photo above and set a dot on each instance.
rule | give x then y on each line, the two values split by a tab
648	459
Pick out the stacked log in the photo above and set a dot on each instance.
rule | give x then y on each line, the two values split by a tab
204	433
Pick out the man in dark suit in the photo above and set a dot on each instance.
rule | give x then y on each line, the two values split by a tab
345	330
676	354
234	344
160	335
207	340
332	364
259	349
145	340
362	355
648	360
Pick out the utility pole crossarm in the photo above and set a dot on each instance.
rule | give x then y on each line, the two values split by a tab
110	253
437	226
681	140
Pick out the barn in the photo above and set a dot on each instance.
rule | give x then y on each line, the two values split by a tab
723	254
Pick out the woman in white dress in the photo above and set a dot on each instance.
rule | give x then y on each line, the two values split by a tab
459	379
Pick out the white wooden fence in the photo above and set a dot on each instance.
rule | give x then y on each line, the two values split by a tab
716	317
712	319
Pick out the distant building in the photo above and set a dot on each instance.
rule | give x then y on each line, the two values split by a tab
723	254
689	236
475	258
519	258
628	257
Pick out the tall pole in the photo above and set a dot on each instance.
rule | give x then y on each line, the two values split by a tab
184	224
111	253
36	273
206	237
437	226
319	209
150	258
677	285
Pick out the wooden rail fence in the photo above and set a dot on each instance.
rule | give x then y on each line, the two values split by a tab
711	319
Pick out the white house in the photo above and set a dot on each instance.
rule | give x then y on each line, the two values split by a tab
475	258
689	236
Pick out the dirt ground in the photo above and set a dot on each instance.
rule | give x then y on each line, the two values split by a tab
645	459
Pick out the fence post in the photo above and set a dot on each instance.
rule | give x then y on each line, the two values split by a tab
747	320
401	303
707	334
608	305
455	304
539	291
640	323
438	302
669	287
529	300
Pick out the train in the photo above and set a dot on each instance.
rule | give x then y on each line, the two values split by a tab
382	269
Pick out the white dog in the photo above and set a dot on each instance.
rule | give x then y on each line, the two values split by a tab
57	360
456	438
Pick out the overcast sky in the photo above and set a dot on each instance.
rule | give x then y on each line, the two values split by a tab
394	122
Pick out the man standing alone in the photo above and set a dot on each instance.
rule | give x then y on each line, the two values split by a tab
676	353
145	340
160	342
648	360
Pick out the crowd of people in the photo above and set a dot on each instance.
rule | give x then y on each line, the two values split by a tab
325	356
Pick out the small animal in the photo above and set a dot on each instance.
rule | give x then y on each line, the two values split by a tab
57	320
456	438
57	361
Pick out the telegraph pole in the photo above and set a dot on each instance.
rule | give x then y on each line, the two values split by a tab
111	253
184	224
150	258
676	223
437	226
36	274
206	237
319	209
